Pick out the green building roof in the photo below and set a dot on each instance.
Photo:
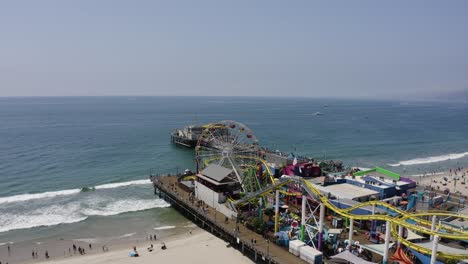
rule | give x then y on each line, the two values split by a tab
379	170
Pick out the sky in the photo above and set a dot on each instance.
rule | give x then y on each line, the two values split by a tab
375	49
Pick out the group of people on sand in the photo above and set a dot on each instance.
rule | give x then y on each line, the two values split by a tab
80	250
134	252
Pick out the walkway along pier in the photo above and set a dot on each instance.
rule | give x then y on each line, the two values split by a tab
239	237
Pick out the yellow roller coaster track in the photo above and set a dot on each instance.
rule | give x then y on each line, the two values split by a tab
419	224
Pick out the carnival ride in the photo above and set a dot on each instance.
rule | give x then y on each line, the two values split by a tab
411	221
233	145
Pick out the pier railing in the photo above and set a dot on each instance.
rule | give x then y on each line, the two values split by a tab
230	230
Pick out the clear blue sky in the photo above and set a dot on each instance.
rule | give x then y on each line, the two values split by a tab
246	48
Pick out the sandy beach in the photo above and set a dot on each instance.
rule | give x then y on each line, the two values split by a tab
438	182
199	247
193	245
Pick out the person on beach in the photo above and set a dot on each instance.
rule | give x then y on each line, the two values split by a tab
33	256
150	248
155	237
90	246
74	249
46	254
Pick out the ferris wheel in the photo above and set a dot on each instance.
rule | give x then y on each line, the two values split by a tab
232	145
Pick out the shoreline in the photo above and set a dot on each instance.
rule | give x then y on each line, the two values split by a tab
60	249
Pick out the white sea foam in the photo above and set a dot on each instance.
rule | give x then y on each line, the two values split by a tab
52	194
127	235
34	196
73	212
122	184
164	227
86	240
426	175
123	206
48	216
433	159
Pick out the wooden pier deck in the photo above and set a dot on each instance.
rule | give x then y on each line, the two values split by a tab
239	237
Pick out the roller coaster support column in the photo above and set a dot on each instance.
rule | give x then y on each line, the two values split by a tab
400	233
434	220
320	229
276	211
260	208
373	221
435	243
387	242
351	230
303	219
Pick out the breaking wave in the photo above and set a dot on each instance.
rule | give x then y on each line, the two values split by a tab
124	206
34	196
73	212
52	194
428	160
122	184
164	227
127	235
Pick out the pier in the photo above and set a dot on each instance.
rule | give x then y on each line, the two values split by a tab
228	229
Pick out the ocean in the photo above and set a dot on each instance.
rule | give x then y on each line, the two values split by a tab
51	148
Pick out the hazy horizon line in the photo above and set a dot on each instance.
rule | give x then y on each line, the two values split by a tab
397	99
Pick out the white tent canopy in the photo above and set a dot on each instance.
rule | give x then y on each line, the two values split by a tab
350	257
413	236
377	248
443	248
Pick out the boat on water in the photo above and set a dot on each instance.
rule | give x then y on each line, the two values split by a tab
317	114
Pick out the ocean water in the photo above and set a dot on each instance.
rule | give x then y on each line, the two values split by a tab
50	148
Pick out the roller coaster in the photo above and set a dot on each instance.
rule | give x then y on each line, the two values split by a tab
416	222
233	150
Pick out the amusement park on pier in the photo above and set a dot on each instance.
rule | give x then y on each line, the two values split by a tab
278	207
